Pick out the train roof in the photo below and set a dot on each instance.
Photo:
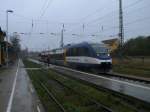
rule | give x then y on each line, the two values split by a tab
61	50
82	44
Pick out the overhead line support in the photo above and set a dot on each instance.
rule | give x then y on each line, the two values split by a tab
121	26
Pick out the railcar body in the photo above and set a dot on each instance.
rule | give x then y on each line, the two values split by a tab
83	55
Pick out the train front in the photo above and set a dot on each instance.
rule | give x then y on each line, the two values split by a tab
102	55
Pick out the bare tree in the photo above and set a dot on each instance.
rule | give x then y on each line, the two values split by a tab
15	41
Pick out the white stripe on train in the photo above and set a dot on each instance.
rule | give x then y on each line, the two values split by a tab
86	60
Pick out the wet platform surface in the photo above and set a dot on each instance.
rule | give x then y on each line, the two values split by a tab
7	78
24	98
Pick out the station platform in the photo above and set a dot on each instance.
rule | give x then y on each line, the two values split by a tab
16	91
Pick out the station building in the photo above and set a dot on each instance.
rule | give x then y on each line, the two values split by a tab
2	48
113	44
3	45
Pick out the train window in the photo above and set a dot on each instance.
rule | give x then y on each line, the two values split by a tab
69	52
82	51
79	51
74	52
85	51
99	49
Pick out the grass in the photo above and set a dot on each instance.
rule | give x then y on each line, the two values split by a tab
2	70
100	96
69	99
132	66
73	102
131	71
30	64
49	105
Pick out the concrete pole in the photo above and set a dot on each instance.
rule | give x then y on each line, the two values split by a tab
7	57
7	37
121	27
62	37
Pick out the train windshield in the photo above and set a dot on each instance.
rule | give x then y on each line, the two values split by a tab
100	49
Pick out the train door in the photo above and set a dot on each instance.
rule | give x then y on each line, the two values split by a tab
65	60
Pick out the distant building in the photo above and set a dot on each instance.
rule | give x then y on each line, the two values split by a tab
2	47
112	43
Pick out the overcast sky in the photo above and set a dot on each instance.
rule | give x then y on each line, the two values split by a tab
100	18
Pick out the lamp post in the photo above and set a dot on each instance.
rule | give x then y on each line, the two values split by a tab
62	37
7	11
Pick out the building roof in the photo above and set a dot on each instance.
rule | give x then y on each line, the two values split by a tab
2	35
82	44
110	41
6	43
2	32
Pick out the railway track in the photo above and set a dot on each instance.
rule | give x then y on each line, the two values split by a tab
134	83
99	105
125	98
51	95
123	80
126	77
118	76
112	75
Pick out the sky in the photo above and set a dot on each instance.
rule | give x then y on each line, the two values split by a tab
42	20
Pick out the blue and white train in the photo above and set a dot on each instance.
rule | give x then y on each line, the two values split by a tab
92	56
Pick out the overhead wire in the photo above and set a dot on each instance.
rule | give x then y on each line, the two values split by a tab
135	29
46	7
106	15
44	21
87	15
132	11
126	24
125	8
137	20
